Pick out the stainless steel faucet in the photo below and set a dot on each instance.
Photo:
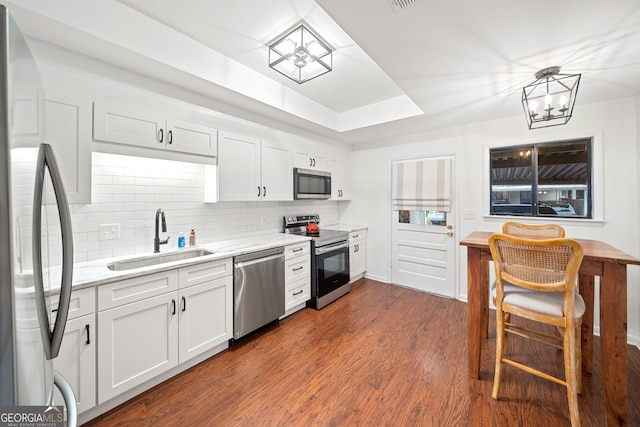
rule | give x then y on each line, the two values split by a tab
156	240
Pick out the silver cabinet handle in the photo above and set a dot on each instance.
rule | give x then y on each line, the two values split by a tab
51	340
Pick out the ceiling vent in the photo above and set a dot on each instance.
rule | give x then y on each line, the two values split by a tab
400	5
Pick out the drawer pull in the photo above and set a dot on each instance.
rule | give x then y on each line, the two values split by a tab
298	268
298	293
298	250
88	340
355	236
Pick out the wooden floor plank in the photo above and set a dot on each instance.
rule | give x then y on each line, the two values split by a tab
381	355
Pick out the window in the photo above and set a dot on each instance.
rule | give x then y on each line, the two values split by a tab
423	217
542	180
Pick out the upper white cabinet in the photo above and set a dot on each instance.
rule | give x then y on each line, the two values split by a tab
340	179
251	169
66	125
306	159
125	125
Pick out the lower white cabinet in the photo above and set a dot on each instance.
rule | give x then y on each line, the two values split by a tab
136	342
297	276
205	317
357	254
150	324
77	358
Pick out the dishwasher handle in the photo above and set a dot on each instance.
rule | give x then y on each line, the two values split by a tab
257	261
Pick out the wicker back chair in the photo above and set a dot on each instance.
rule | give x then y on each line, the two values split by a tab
548	270
544	230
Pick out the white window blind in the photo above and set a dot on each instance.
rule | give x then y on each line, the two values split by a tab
423	184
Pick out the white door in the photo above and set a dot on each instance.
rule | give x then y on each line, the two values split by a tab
423	250
191	138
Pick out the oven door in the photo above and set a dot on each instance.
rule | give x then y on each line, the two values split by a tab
332	267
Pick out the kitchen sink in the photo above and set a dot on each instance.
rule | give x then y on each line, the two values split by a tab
146	261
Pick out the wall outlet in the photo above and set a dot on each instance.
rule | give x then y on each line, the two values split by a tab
468	214
110	231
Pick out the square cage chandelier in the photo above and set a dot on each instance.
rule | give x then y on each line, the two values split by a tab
300	54
549	100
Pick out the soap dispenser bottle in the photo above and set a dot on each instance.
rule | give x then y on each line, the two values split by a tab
192	237
181	240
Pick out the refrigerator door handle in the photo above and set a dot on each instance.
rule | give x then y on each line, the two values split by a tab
51	339
69	398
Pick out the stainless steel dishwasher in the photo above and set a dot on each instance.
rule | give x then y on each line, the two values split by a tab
258	290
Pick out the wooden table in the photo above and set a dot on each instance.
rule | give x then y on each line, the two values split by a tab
600	259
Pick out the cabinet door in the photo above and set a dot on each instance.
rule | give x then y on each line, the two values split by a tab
191	138
277	171
357	258
340	179
238	167
77	360
66	125
136	342
307	160
205	316
123	125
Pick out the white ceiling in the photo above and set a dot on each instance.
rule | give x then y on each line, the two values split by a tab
436	64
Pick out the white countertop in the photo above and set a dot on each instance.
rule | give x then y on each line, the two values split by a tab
344	227
94	273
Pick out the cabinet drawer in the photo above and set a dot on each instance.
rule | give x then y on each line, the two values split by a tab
297	268
355	235
298	249
200	273
82	302
297	293
136	289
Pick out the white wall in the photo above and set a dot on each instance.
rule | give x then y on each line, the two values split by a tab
615	121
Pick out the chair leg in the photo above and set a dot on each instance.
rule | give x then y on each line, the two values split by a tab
578	359
500	335
571	374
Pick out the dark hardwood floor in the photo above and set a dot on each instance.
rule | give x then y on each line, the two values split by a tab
380	356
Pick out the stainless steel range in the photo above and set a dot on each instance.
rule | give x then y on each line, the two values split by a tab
330	260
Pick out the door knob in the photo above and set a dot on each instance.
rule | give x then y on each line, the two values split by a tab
449	227
449	233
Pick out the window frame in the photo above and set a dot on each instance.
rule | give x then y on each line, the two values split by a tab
594	157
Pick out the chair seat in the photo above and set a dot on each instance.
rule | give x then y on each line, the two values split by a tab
544	302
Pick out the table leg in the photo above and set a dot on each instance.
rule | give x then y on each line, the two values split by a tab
475	305
613	342
586	335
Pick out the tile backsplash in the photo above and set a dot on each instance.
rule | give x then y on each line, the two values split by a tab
128	190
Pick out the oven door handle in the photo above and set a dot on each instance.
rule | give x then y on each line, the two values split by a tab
324	249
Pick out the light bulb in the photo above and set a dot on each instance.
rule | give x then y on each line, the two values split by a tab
533	106
563	101
547	101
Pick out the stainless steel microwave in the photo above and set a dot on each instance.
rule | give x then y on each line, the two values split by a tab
311	184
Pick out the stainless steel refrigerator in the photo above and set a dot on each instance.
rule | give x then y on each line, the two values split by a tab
36	242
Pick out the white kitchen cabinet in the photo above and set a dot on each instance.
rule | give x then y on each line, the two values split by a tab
138	331
297	271
206	301
77	358
340	179
66	125
136	342
358	254
250	169
130	126
308	160
152	323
